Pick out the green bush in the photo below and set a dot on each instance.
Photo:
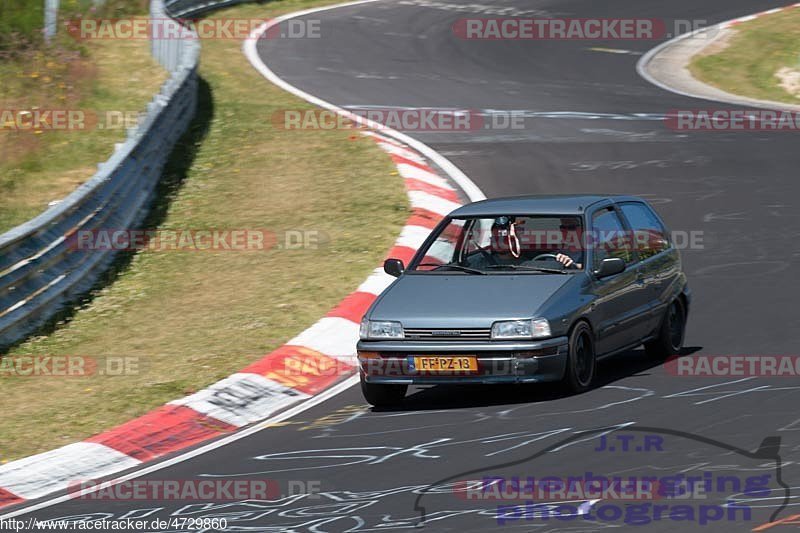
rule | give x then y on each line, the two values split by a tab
21	23
106	8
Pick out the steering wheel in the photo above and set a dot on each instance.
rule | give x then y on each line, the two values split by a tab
484	253
488	256
545	256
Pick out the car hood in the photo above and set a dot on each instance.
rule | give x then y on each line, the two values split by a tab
465	300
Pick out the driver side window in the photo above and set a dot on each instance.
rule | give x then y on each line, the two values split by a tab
609	238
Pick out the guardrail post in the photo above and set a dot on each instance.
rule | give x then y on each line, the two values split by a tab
50	19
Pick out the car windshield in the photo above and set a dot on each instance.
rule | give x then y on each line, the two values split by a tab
505	243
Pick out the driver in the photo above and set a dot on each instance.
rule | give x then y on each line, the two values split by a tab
506	250
572	254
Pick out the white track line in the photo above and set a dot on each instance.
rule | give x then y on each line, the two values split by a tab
641	65
467	185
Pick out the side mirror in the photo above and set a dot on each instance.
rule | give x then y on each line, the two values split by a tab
610	267
393	267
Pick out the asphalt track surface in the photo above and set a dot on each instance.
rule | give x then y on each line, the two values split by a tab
371	468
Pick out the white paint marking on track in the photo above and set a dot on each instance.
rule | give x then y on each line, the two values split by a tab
41	474
737	393
241	399
693	392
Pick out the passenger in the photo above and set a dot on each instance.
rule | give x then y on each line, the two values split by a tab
504	245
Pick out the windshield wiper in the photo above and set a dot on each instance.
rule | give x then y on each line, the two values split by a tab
457	267
531	268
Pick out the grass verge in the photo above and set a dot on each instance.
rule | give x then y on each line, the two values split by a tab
757	51
191	318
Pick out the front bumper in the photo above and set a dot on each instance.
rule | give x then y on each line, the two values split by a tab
389	362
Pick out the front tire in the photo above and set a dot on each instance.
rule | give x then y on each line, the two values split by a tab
382	395
581	360
670	334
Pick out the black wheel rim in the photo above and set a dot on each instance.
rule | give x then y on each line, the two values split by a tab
584	359
675	326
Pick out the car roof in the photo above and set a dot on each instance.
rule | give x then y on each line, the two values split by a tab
543	204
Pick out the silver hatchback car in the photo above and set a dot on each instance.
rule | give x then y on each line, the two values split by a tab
526	289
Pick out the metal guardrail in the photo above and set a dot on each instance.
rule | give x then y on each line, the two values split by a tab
40	272
187	8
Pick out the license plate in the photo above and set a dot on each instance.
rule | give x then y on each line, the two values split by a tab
445	363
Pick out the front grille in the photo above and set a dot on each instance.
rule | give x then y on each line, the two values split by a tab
448	334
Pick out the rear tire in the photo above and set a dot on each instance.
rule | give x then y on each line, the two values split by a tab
670	333
381	395
581	360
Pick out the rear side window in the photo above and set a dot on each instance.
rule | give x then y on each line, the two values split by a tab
649	236
609	238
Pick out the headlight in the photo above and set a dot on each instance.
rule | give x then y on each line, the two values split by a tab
380	329
521	329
